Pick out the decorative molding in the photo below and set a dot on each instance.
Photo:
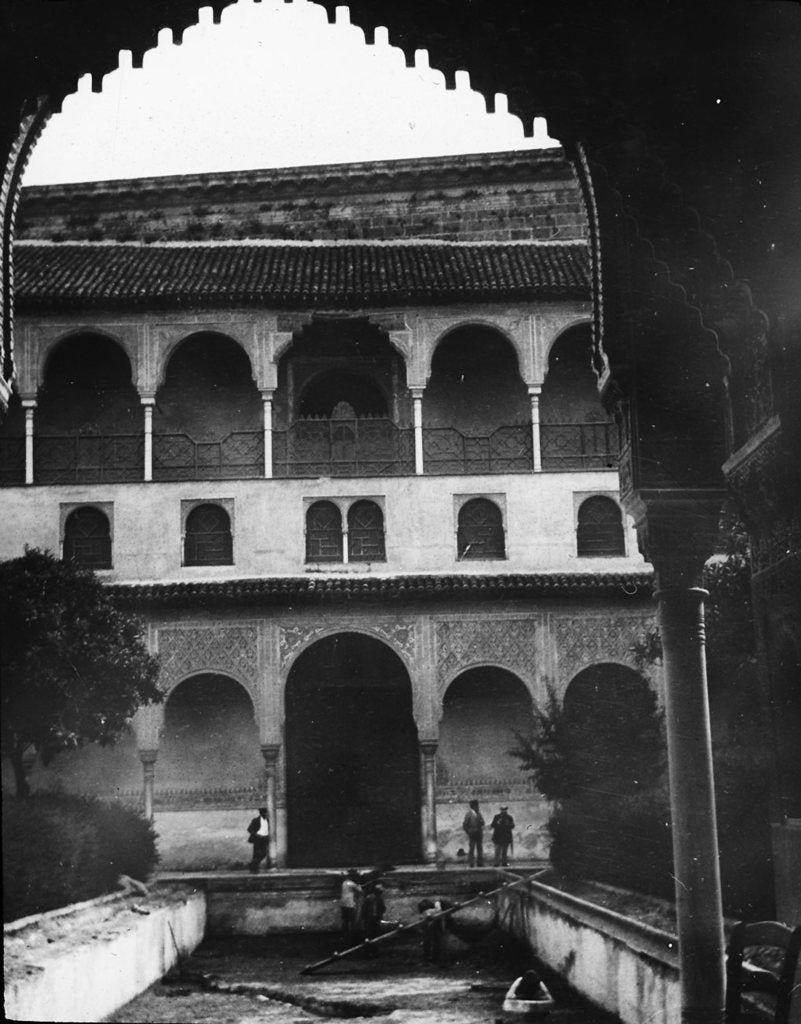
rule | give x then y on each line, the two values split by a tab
228	649
400	635
509	643
584	640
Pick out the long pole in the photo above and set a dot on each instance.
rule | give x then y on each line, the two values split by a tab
411	926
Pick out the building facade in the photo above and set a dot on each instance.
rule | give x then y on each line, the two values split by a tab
334	435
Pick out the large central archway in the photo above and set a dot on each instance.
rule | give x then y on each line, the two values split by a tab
353	782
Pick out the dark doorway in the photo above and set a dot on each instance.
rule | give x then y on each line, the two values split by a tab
353	784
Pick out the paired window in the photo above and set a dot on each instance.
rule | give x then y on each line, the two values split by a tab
363	538
480	530
87	538
207	536
600	528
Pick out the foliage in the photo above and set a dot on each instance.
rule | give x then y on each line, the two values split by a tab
60	849
74	668
599	757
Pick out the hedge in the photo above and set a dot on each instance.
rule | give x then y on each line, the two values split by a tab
60	849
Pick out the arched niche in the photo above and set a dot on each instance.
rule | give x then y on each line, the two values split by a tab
341	363
208	390
352	759
575	430
481	710
475	384
87	387
209	739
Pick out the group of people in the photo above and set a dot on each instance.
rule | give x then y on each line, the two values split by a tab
361	906
502	826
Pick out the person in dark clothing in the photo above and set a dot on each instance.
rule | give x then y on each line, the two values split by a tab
473	826
502	827
373	910
259	835
434	929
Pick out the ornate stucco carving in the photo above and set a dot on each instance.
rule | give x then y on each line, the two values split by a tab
401	636
583	640
229	649
506	642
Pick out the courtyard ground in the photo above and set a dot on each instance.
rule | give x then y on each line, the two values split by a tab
261	983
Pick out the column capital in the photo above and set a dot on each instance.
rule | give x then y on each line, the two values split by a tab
267	394
148	757
677	534
535	390
30	402
429	747
270	752
417	392
147	398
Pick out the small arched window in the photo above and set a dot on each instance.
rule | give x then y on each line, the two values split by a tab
600	528
480	532
87	538
207	537
366	532
323	532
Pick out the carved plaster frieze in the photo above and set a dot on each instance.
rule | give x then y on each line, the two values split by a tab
508	643
581	640
228	649
401	636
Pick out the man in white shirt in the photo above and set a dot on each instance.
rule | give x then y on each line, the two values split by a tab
259	835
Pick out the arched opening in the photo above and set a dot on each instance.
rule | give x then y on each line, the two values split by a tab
342	407
209	742
207	536
480	531
88	417
323	532
600	528
481	711
353	774
476	409
575	431
208	418
87	538
365	532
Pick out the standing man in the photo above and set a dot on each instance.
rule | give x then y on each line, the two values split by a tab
259	835
473	826
502	825
350	901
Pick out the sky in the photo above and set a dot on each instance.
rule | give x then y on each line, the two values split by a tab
273	85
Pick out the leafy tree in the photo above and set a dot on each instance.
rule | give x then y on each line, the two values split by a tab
74	668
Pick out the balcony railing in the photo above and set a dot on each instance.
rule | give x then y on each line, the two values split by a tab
579	445
505	450
181	457
87	458
353	447
343	447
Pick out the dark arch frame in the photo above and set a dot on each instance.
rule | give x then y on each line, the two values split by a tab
87	537
208	536
480	530
599	529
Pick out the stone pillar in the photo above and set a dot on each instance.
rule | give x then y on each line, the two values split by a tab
29	405
534	392
678	547
428	756
147	405
267	402
148	759
270	753
417	398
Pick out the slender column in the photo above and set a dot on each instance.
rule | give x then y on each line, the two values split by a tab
536	446
29	405
147	405
270	752
428	754
267	402
692	803
417	398
148	759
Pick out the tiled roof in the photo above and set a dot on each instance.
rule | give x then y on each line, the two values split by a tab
281	275
296	590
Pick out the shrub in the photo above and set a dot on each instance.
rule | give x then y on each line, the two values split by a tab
60	849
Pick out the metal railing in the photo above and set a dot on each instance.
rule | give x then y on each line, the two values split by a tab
579	445
343	447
